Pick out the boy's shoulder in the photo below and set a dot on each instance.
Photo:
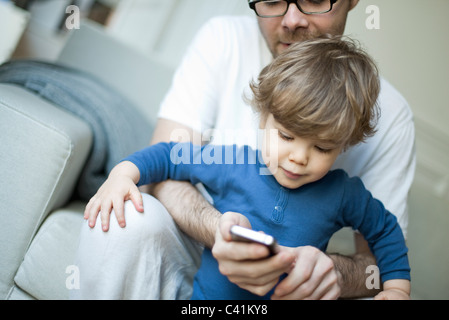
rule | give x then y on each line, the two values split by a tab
341	177
337	174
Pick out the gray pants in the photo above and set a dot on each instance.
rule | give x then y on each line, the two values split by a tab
148	259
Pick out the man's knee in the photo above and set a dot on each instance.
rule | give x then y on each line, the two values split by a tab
153	220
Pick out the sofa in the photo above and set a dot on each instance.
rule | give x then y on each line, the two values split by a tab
44	148
43	151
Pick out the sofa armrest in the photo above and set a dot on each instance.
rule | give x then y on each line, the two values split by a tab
42	150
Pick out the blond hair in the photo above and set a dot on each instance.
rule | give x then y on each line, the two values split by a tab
325	88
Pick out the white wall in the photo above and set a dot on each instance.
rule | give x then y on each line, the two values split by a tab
164	28
14	20
412	49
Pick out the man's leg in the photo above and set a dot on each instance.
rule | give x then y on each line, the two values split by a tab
148	259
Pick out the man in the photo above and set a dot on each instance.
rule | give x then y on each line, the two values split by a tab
206	102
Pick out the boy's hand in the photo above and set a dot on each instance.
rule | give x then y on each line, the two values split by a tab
392	294
118	188
395	290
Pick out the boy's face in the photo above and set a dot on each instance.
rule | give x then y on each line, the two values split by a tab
295	161
296	26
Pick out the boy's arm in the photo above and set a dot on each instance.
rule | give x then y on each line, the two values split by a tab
381	230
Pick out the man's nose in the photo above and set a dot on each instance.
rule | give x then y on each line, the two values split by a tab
294	18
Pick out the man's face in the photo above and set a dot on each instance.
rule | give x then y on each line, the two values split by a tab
296	26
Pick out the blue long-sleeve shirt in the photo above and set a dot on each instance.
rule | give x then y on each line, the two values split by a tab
237	181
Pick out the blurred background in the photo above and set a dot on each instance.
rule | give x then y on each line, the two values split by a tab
408	39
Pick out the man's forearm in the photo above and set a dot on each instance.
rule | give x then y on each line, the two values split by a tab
190	210
352	274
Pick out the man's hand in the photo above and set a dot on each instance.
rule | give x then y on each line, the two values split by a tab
312	277
311	273
247	264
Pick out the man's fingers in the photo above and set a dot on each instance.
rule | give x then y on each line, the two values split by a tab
313	277
228	220
248	265
259	290
258	271
315	288
261	276
327	283
238	251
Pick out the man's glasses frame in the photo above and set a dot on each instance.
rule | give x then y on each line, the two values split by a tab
252	4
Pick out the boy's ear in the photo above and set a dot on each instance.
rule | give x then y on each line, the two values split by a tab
263	120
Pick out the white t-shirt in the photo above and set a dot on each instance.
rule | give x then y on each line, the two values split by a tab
208	93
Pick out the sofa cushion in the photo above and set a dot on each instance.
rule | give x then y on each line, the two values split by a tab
48	264
42	152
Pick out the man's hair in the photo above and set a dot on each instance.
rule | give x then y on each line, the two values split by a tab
324	88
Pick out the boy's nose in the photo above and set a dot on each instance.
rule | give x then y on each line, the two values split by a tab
294	19
299	156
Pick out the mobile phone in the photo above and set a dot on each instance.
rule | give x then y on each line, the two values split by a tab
239	233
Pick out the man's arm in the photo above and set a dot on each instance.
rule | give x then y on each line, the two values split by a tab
352	270
188	208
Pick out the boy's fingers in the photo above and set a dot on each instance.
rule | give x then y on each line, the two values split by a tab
94	208
104	215
87	210
136	198
119	212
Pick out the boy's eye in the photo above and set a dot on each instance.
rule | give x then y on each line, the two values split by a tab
285	136
323	150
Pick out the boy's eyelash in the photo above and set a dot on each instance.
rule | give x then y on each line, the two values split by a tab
323	150
288	138
284	136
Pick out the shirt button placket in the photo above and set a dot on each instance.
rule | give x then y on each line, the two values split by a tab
277	215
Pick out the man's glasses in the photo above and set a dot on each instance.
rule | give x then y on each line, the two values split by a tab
276	8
